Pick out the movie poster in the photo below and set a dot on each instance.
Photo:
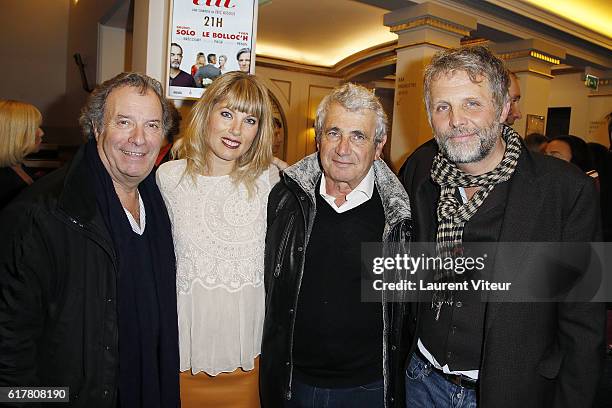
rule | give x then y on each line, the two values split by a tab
206	39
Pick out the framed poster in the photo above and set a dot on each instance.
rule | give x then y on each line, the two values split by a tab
207	38
535	124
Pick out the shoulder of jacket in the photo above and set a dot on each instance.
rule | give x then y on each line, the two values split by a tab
285	193
419	161
285	187
31	211
44	193
550	168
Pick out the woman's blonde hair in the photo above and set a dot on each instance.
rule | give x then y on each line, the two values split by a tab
241	92
18	124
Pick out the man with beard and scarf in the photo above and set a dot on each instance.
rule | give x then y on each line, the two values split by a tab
87	267
477	182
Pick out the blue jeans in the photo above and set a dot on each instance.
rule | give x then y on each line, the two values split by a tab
425	388
307	396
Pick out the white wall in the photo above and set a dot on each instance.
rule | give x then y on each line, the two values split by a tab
150	37
589	108
33	49
111	52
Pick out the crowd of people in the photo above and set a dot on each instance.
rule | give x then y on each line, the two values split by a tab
196	270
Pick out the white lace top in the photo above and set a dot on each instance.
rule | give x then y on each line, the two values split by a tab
219	238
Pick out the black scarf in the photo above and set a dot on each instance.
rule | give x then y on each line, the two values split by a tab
452	215
146	291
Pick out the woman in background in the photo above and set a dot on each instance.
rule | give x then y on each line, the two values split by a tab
20	135
279	139
199	63
571	149
217	194
222	62
574	150
165	154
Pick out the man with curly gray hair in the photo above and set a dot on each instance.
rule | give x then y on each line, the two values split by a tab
319	337
87	269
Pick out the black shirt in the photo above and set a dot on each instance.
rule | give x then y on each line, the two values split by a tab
456	337
338	338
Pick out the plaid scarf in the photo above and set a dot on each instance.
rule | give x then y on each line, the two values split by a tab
452	214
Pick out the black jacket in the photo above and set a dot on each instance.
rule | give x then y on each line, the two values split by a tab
291	213
58	315
534	355
10	185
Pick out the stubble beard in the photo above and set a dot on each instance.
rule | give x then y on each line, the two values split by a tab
473	150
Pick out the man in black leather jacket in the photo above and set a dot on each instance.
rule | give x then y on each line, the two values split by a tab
321	341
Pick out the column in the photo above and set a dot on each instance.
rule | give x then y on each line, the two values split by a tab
531	60
423	30
149	38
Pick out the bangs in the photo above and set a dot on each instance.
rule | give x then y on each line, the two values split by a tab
244	96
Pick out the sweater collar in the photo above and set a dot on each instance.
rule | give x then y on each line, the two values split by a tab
307	172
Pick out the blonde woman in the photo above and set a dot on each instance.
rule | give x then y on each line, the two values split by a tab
20	135
199	63
222	62
216	194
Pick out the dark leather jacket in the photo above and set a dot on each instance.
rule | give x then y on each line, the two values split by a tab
58	290
291	213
